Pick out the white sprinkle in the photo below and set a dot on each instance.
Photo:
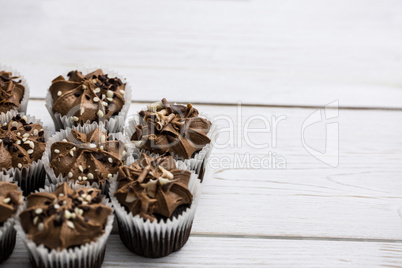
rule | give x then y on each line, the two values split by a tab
70	174
79	178
84	178
61	194
38	211
84	87
84	202
100	113
73	216
101	147
57	151
94	81
57	206
75	118
122	91
110	160
92	145
80	198
103	138
105	103
82	111
70	224
32	144
88	198
41	227
103	96
90	176
35	220
124	153
64	202
80	168
15	124
109	175
72	153
19	165
30	151
97	90
18	142
110	99
59	93
96	99
74	148
26	135
19	133
110	94
25	118
67	214
24	139
2	141
83	195
35	132
64	140
6	200
90	191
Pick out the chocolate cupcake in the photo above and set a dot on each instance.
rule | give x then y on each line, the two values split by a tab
10	200
85	98
14	91
178	130
62	227
86	155
155	204
22	144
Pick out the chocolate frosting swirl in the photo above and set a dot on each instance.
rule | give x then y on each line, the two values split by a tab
10	199
91	97
65	218
91	157
175	129
11	92
153	187
21	143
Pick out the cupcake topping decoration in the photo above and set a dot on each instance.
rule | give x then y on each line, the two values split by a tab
11	92
91	157
10	199
91	97
65	218
153	187
21	143
174	129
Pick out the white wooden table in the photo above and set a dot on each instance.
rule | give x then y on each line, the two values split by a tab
285	59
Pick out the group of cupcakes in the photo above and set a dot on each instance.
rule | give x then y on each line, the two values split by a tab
144	169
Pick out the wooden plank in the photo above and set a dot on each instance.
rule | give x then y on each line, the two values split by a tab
361	198
242	252
260	52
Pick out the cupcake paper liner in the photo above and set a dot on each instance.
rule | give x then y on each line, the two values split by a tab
198	163
156	239
7	232
113	124
32	177
63	134
25	98
89	255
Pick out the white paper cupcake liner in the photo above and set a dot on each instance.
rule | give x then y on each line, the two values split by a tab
156	239
63	134
86	256
32	177
113	124
7	231
25	98
198	163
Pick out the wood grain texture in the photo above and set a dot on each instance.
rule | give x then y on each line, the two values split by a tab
235	252
359	199
263	51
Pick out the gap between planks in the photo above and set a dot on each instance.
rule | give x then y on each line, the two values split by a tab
362	108
308	238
